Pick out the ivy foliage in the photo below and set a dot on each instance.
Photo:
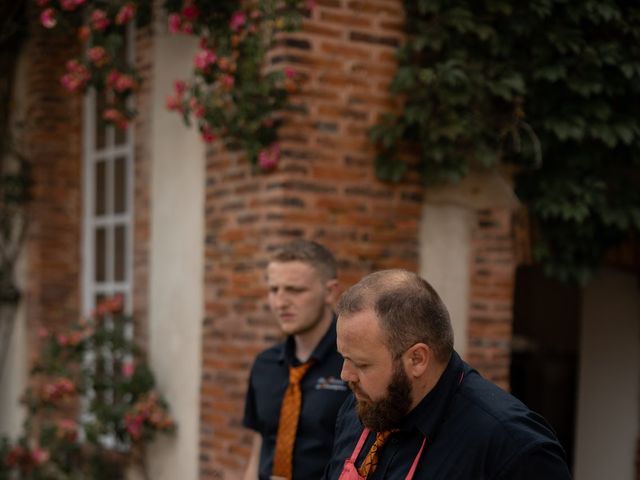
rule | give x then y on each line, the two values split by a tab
552	86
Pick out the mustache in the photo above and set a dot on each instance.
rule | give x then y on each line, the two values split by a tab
356	389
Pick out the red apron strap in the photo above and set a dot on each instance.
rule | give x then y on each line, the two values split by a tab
356	451
416	460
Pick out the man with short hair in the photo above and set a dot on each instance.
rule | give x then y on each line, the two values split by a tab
418	410
295	390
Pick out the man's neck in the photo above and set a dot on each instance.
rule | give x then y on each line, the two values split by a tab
307	342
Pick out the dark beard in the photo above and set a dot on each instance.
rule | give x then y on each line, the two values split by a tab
386	413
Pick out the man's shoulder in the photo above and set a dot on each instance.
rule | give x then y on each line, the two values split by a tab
511	433
273	354
495	412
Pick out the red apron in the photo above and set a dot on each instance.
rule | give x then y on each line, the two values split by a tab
350	472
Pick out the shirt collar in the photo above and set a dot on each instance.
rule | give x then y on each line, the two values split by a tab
323	350
430	412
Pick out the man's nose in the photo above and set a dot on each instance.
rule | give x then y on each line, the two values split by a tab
347	374
279	299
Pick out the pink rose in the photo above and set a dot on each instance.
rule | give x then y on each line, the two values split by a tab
126	13
238	19
207	134
112	78
39	455
289	72
268	157
117	118
228	81
67	429
99	19
174	103
48	18
174	23
197	109
76	77
134	425
204	58
128	368
124	83
98	55
179	86
68	5
190	12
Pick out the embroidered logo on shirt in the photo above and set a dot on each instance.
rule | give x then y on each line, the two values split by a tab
331	383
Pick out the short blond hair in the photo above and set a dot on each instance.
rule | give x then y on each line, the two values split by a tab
311	253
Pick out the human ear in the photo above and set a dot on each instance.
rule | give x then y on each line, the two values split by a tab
332	291
418	358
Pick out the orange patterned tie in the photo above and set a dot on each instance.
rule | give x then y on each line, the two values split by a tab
288	423
370	462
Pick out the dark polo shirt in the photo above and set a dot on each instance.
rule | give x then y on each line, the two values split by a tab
474	431
322	395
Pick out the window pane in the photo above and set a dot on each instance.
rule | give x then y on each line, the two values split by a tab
100	255
120	253
120	185
101	188
101	125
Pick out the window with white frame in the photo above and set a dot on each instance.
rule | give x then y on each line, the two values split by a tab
108	203
107	227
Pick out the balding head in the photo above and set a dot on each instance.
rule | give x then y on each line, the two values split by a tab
408	308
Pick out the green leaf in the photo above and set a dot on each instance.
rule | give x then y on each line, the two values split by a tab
389	169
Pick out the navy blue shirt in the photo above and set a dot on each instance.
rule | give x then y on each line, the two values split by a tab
323	392
473	429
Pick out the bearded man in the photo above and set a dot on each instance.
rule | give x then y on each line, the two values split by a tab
418	410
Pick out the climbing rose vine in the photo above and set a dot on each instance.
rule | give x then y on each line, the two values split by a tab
91	404
232	93
101	27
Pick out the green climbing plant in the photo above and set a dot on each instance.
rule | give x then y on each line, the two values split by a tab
551	86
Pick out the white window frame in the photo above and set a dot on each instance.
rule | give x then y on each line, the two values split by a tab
90	287
91	156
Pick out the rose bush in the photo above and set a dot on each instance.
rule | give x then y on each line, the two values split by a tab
231	93
101	27
91	403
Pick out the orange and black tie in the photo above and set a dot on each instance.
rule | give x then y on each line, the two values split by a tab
370	462
288	423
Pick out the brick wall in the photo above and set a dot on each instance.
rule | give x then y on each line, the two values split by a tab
52	143
324	189
493	264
